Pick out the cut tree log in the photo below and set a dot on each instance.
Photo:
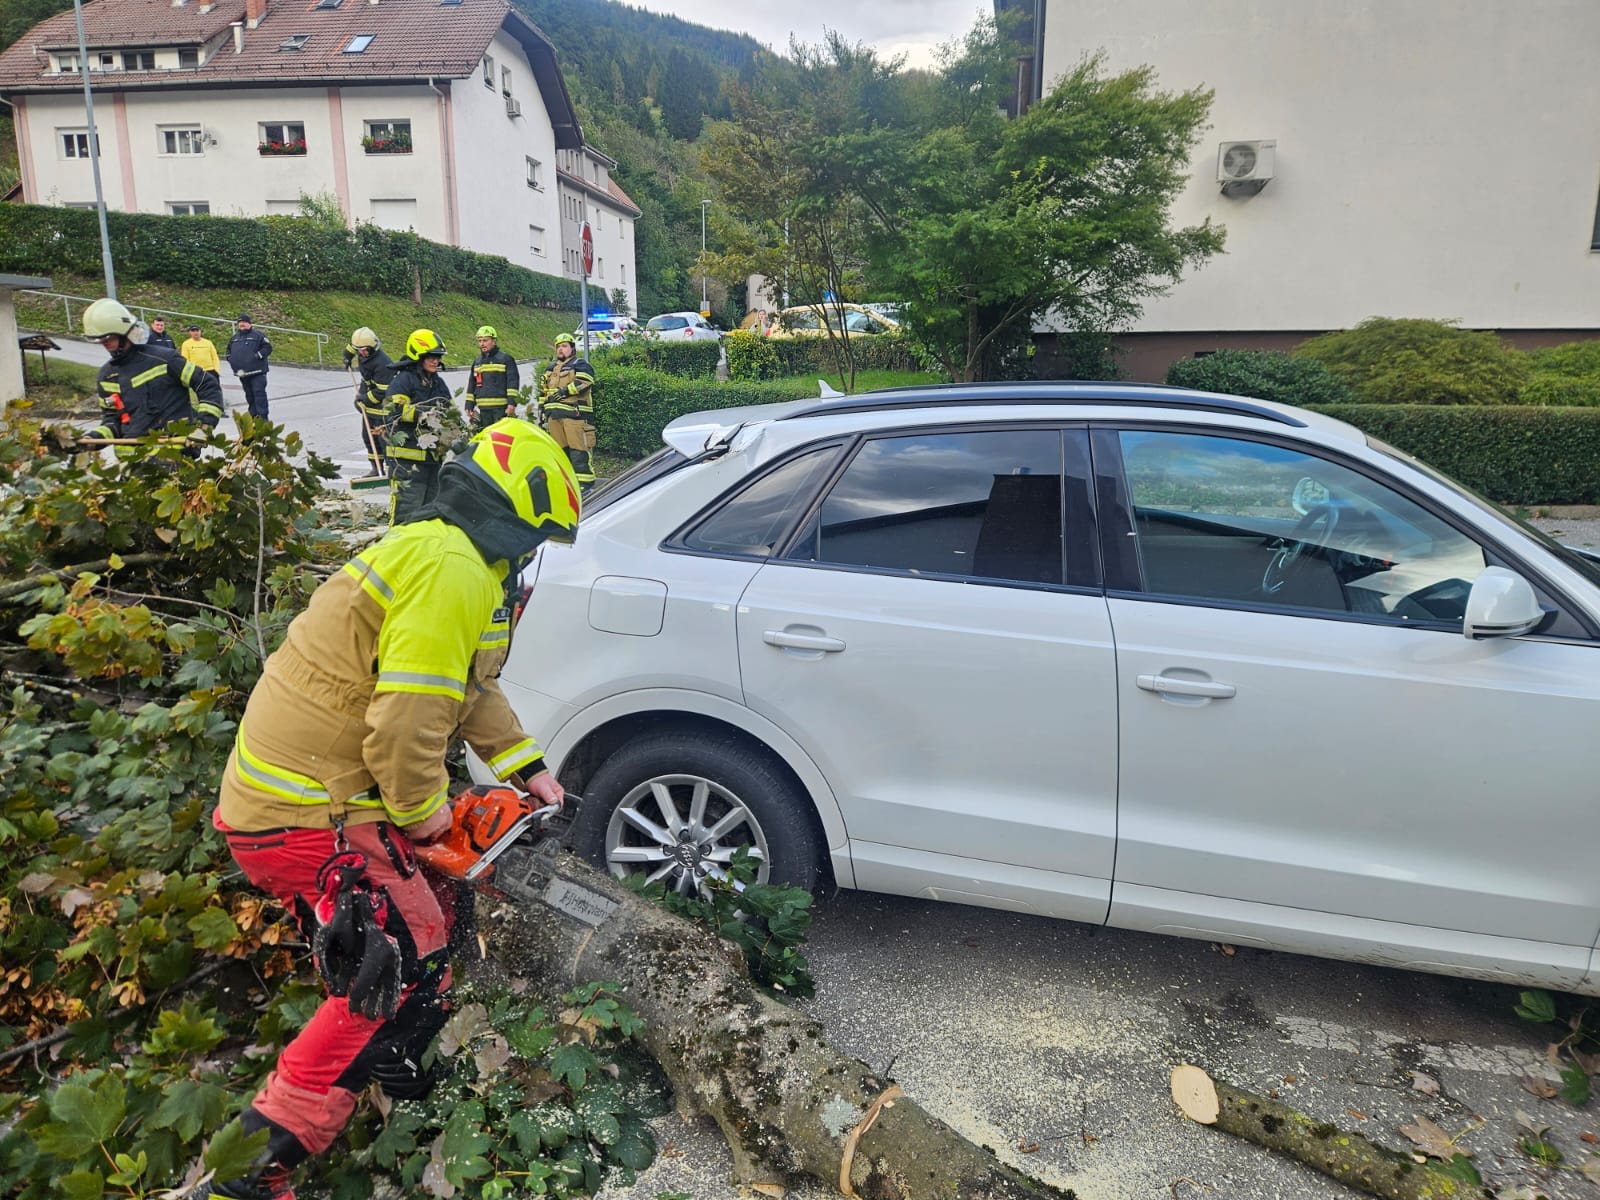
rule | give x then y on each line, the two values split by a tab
788	1103
1338	1153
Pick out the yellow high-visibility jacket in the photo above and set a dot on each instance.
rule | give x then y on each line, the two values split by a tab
396	654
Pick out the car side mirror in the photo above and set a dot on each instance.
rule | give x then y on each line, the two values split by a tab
1501	604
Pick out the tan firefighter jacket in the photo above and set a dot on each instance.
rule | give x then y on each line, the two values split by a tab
395	655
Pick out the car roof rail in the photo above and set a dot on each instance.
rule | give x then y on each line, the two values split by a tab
950	395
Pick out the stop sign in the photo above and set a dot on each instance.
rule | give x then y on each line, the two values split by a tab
588	249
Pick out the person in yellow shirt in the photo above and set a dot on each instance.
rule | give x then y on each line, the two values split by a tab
200	351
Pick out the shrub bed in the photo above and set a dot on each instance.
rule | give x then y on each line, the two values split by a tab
1264	374
687	360
1514	454
264	252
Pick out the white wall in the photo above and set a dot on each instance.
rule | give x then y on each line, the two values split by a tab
1434	158
497	205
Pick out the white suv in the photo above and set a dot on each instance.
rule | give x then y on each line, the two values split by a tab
1118	653
682	327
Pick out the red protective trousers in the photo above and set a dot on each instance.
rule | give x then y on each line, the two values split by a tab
310	1095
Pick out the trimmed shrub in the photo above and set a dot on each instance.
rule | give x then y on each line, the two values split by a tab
751	356
632	405
873	352
689	360
265	252
1549	389
1386	360
1569	358
1264	374
1511	453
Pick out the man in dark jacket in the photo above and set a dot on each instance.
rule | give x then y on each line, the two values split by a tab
143	388
159	335
493	386
420	430
247	354
372	393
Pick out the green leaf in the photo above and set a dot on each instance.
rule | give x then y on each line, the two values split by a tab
189	1107
1536	1005
573	1063
213	929
1541	1151
81	1185
1461	1167
129	1169
82	1117
464	1146
232	1152
1574	1086
635	1146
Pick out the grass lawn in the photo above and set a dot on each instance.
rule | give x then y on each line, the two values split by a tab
524	332
59	388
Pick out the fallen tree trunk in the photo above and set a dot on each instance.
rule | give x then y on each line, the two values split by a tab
785	1099
1341	1154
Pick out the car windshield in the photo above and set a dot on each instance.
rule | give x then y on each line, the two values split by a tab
602	326
667	323
1580	562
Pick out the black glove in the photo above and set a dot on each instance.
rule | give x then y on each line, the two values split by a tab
337	942
375	990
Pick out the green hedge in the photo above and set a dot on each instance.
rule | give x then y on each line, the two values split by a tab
687	360
633	405
264	252
1264	374
1514	454
1550	389
812	356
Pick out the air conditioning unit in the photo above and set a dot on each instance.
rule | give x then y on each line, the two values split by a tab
1244	168
513	107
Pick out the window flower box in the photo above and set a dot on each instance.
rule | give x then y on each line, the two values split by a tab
394	143
281	149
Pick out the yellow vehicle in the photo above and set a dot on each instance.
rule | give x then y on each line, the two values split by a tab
808	320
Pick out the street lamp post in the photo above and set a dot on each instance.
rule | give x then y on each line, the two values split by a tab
705	304
94	153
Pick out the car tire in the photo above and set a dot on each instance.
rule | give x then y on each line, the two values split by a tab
744	797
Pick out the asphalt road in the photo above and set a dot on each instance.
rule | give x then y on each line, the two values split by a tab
1051	1042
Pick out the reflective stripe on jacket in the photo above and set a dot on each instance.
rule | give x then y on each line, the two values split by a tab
396	654
377	373
493	378
150	387
568	390
417	402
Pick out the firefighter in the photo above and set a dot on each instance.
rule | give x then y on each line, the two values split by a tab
566	396
144	388
338	770
420	411
372	393
493	385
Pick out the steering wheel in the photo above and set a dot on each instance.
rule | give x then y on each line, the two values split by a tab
1311	532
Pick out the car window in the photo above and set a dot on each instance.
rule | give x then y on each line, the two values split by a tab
756	518
805	319
985	505
1221	518
602	326
666	323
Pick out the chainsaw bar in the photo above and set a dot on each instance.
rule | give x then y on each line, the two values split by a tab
525	862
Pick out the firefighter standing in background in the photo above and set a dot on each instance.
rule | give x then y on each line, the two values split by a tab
143	388
372	393
419	409
493	385
339	765
566	396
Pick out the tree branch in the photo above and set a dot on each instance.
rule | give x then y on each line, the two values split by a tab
62	574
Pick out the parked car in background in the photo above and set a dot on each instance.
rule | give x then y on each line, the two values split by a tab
682	327
1119	653
814	320
605	328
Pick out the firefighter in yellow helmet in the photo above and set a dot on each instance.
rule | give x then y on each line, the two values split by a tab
338	770
566	395
494	388
420	427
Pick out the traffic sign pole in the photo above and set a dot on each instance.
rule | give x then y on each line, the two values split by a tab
583	288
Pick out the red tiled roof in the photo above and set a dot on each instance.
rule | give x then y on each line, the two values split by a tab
412	40
611	192
622	196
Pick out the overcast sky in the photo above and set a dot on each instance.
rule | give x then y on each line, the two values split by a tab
915	27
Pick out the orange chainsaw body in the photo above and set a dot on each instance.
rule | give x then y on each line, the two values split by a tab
485	822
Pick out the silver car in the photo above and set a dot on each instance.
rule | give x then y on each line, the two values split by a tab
1123	654
682	327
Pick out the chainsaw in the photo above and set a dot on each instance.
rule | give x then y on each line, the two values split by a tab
489	822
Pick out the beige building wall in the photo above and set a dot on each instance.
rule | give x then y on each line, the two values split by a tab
1435	158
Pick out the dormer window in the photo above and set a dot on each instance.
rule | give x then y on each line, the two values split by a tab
67	64
139	60
188	58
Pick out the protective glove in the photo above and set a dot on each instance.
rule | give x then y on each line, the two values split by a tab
63	439
337	943
375	989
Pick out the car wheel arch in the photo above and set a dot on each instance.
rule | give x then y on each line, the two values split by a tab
589	735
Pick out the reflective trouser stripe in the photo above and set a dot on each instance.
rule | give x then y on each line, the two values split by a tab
411	453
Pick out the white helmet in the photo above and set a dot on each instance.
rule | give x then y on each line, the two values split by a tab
108	316
364	339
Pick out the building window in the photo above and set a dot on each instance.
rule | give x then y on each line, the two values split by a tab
536	239
535	174
108	62
190	208
295	42
505	81
139	60
1594	242
279	138
600	268
67	64
188	58
387	137
358	43
185	141
75	143
624	270
488	72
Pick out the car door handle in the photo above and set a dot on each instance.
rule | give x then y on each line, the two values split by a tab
801	641
1186	687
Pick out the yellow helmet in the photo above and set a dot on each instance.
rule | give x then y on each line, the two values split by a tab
568	339
535	474
364	339
107	316
424	343
487	331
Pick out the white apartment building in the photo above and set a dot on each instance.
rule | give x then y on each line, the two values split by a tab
1405	158
440	116
588	193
